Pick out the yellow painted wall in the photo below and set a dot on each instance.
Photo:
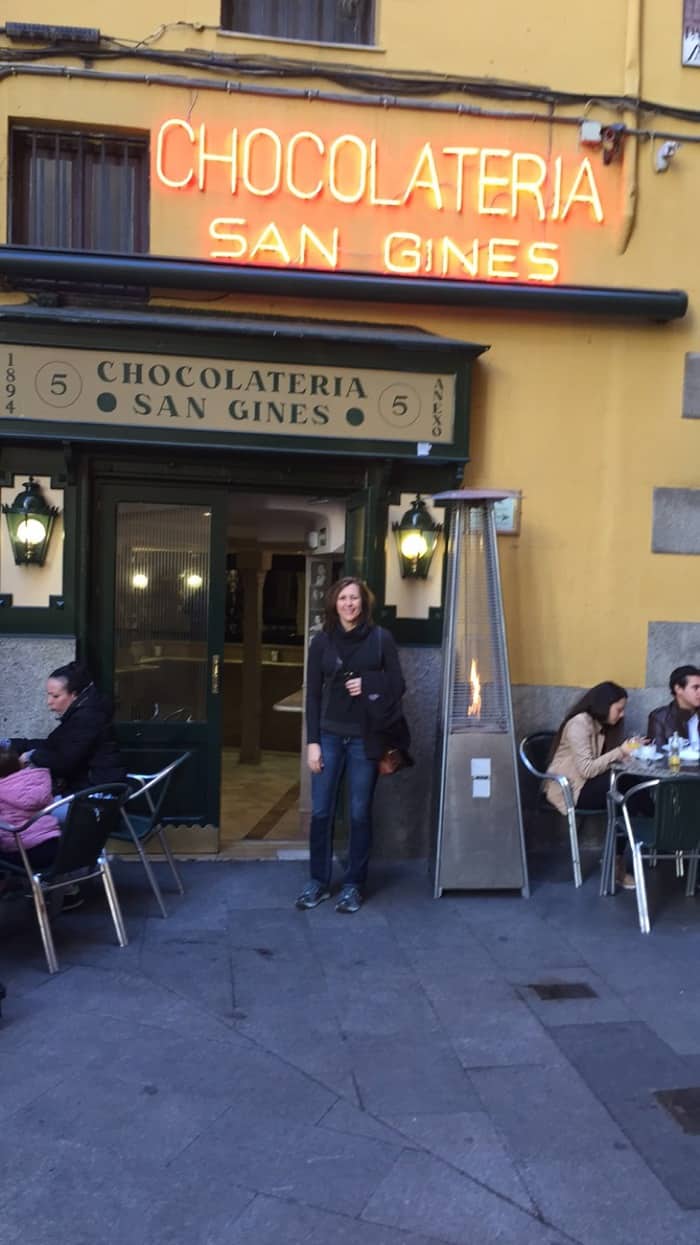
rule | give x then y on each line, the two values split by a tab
582	415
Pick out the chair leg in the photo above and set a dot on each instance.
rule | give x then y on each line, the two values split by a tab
692	875
170	859
113	901
149	873
641	890
42	917
680	866
607	868
573	839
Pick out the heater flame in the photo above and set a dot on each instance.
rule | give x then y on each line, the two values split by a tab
474	710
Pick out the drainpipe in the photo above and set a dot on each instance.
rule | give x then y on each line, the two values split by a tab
633	90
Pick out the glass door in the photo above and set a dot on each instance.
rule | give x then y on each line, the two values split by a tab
160	616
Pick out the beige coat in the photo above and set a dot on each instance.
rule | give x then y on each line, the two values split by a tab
579	756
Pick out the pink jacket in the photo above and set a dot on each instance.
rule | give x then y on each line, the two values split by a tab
21	795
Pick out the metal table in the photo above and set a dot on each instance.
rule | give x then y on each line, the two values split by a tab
645	771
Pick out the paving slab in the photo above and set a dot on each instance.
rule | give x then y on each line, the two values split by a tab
425	1195
257	1073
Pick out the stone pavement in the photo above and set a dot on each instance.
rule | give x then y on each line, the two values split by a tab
245	1073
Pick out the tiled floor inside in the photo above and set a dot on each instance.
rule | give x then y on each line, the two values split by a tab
260	805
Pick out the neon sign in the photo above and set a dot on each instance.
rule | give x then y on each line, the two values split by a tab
356	201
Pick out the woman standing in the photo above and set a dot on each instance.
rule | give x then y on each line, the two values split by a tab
353	711
582	752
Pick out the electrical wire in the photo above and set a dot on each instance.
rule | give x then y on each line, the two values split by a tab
388	86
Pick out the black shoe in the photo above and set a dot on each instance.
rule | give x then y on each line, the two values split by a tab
312	895
72	899
349	900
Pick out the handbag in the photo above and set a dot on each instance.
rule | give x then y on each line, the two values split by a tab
391	761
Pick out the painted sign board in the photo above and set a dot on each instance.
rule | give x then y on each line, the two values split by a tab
169	394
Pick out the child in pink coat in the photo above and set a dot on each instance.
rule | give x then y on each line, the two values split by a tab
24	792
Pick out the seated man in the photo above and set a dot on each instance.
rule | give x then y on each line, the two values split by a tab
682	713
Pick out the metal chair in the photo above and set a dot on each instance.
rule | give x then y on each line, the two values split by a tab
534	751
141	821
673	833
91	816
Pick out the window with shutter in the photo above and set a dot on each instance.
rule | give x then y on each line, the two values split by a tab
78	191
320	21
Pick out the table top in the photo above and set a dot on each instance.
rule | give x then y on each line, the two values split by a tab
655	769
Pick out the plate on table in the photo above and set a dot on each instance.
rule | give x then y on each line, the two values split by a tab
690	756
648	753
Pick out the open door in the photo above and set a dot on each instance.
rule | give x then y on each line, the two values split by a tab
158	633
365	524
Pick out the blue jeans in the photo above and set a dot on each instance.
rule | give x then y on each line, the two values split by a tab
340	753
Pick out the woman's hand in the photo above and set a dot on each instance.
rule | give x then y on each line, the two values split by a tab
354	687
314	758
630	745
25	759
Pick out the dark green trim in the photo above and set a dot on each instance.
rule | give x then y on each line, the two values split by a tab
414	631
161	337
21	263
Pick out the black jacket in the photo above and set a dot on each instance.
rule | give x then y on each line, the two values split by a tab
666	721
376	661
82	751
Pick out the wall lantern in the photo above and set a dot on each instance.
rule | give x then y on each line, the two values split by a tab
416	540
30	522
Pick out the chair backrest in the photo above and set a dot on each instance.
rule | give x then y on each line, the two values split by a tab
534	752
677	815
91	817
153	788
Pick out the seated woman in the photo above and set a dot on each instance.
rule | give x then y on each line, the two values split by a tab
24	792
582	752
82	751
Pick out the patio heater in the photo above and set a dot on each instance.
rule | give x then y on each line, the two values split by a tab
479	843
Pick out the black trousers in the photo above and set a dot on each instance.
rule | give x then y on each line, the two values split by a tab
594	792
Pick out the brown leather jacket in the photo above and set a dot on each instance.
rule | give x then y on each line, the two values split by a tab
667	720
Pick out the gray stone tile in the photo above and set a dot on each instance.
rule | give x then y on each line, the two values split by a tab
615	1199
471	1143
509	1037
619	1060
315	1166
131	997
346	1118
195	966
410	1075
674	1016
268	1221
543	1112
424	1195
673	1155
114	1115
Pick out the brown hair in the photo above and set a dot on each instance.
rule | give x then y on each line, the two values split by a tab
9	761
331	617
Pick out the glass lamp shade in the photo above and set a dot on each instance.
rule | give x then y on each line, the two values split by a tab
30	523
416	540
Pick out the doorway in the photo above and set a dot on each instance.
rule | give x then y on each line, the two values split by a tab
203	597
281	550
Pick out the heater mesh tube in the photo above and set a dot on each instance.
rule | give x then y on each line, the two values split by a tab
479	696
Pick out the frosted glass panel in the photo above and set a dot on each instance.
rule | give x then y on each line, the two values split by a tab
161	603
